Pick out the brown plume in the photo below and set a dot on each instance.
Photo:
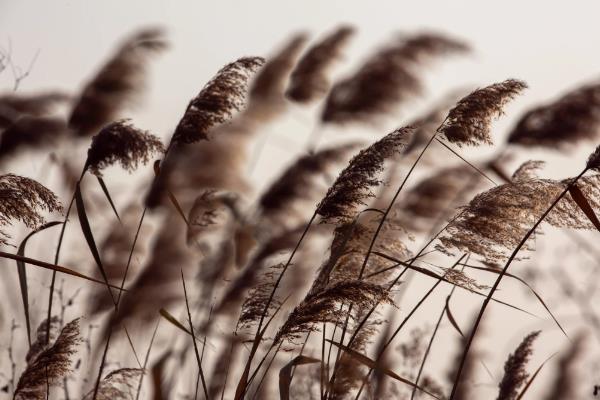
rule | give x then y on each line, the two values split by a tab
495	221
388	78
31	132
353	185
49	366
117	83
298	186
121	142
515	372
120	384
217	102
572	118
14	106
309	80
436	196
324	306
23	199
469	122
266	95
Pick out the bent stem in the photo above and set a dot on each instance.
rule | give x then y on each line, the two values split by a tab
501	275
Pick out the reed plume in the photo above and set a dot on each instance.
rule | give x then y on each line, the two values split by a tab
120	384
309	80
24	199
353	185
121	142
572	118
390	77
50	366
40	343
324	306
31	132
217	102
436	196
117	83
298	185
469	122
495	221
515	372
15	106
266	97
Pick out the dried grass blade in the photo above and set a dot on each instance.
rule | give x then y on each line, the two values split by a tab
89	236
23	274
56	268
451	317
285	374
579	198
107	194
528	286
374	365
169	317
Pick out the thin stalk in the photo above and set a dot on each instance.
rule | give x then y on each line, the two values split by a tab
501	275
402	324
139	388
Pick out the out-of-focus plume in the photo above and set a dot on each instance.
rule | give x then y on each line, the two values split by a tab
14	106
117	83
436	197
469	122
309	80
266	95
31	132
121	142
298	187
564	122
566	383
390	77
353	186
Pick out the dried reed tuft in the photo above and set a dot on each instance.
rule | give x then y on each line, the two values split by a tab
309	80
50	366
117	82
353	185
570	119
120	384
388	78
325	306
469	122
495	221
515	373
121	142
23	199
217	102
